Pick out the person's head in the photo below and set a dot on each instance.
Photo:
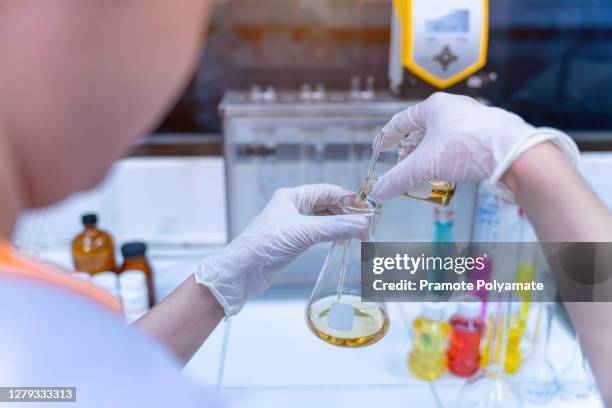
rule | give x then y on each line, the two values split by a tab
81	80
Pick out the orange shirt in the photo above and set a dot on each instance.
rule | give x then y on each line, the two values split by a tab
14	264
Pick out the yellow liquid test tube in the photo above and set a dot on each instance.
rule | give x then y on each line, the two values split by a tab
515	332
525	272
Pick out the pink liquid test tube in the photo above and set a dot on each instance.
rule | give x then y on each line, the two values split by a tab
485	275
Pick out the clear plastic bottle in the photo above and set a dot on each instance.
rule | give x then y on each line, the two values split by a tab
93	250
465	337
427	359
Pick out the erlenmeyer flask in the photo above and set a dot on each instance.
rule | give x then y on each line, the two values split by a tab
537	380
336	313
490	388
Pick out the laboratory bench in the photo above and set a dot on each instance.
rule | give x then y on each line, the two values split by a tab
267	357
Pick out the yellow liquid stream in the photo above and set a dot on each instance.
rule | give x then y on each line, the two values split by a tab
441	193
370	322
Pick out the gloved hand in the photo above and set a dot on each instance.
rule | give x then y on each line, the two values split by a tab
287	226
456	138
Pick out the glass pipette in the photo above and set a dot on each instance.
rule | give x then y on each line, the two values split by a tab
364	192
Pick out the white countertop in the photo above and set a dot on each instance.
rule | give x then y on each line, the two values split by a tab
267	357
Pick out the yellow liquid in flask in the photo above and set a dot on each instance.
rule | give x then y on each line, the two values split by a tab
364	325
441	193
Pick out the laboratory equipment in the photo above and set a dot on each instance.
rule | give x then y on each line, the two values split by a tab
537	379
443	225
443	234
134	258
437	192
575	380
427	358
525	267
486	226
326	140
489	387
93	250
515	329
134	295
109	281
335	312
441	42
465	336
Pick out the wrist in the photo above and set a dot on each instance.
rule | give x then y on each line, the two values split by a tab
528	158
528	166
217	274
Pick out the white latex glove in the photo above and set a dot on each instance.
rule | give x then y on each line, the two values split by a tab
286	227
456	138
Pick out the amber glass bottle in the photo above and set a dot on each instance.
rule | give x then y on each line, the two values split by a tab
93	250
134	258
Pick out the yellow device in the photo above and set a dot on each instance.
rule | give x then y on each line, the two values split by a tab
441	42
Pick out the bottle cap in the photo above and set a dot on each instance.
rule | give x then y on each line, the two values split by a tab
132	280
433	310
133	249
107	281
89	219
470	310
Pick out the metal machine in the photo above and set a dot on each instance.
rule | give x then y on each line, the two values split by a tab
438	42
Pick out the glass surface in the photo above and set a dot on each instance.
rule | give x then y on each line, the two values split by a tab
489	387
575	380
537	379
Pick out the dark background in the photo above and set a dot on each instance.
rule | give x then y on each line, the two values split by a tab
553	57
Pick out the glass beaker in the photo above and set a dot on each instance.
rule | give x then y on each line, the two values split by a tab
335	312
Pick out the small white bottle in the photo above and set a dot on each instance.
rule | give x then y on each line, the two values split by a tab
83	276
133	294
107	281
